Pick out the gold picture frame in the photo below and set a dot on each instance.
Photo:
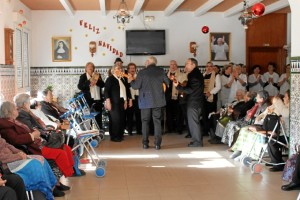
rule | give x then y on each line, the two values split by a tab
61	49
220	46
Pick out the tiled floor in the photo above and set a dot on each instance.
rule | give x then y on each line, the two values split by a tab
175	172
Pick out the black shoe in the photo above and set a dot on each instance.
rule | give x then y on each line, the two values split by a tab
269	164
62	187
139	133
188	136
57	193
157	147
82	173
194	145
215	141
290	186
130	134
145	146
115	140
276	169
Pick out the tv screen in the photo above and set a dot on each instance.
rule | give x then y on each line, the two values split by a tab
145	42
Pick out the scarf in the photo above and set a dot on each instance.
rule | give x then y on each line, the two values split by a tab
94	90
209	86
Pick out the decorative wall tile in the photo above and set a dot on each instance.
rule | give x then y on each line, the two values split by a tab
295	104
7	81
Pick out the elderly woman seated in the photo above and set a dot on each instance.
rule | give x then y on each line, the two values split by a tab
232	128
250	143
234	111
18	134
28	167
49	121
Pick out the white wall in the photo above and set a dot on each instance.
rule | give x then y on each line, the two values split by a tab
8	20
181	28
295	32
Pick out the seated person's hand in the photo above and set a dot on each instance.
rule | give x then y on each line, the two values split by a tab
23	155
2	182
36	133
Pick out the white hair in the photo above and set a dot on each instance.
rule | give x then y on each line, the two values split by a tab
20	99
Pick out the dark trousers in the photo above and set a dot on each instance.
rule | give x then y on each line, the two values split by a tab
208	108
134	111
146	114
172	114
117	120
296	175
98	106
194	113
183	118
275	150
213	121
14	188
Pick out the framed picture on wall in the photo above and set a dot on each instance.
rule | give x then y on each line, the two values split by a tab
219	46
61	49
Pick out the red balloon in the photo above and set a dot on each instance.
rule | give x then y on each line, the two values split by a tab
258	9
205	29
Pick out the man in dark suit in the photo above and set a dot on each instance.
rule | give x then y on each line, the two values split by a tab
150	81
194	95
91	89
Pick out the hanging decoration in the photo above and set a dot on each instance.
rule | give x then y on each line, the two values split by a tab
205	29
258	9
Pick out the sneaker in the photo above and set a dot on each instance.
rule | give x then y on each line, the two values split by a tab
57	193
238	159
235	154
62	187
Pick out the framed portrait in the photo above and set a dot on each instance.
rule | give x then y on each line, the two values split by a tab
219	46
61	49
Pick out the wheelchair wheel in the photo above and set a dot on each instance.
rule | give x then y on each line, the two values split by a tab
256	168
246	161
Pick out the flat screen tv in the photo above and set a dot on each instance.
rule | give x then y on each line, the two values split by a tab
145	42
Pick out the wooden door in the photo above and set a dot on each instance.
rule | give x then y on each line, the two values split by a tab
263	55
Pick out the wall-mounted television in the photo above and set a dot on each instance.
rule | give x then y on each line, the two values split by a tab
145	42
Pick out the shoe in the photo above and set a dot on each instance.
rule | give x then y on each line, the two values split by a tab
276	169
192	144
269	164
57	193
62	187
82	173
188	136
139	133
235	154
229	150
290	186
145	146
238	159
157	147
215	141
115	140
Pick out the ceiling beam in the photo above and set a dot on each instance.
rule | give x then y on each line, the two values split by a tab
206	7
66	4
276	6
102	7
138	6
239	8
173	6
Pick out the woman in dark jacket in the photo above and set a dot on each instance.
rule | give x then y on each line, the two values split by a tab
116	94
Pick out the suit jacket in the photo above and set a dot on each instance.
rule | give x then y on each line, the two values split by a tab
17	135
194	88
84	86
149	81
112	89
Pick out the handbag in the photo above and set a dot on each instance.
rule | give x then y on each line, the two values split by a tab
270	122
289	168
